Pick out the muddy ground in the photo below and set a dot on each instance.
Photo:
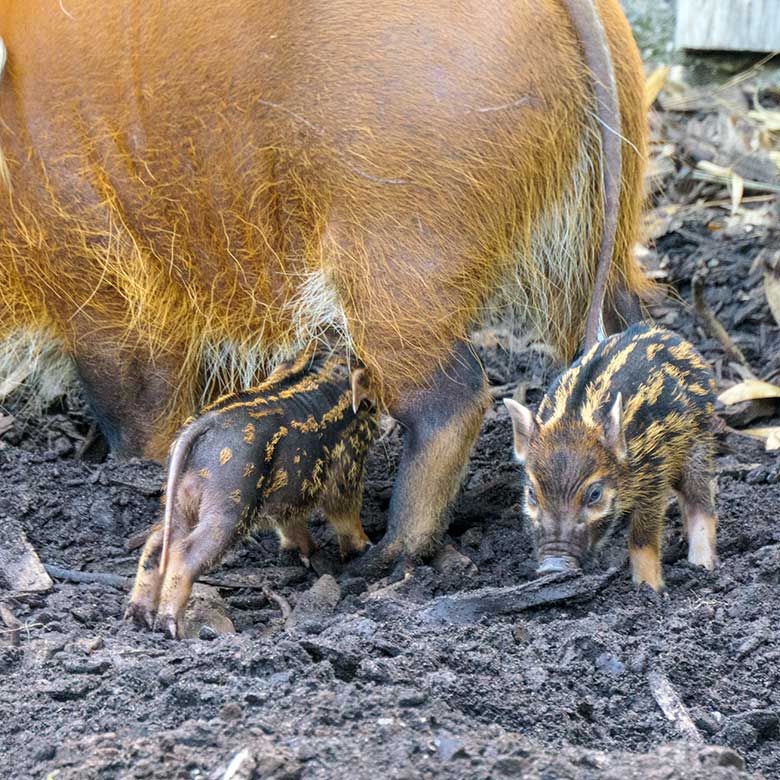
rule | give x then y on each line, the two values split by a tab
374	686
371	680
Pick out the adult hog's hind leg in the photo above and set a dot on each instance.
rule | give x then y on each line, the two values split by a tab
193	554
138	399
441	422
696	495
621	309
146	589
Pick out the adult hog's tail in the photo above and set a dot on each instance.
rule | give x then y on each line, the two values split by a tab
180	452
5	176
592	37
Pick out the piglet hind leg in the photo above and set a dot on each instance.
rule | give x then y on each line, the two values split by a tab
441	422
189	557
294	536
344	516
146	589
696	496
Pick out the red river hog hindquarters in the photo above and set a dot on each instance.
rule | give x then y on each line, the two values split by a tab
192	193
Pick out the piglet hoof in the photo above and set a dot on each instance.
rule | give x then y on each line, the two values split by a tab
349	551
705	558
289	557
140	614
657	596
169	626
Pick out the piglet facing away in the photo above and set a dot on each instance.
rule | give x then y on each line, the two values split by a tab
620	430
262	459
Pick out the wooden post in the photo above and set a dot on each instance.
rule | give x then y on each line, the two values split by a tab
734	25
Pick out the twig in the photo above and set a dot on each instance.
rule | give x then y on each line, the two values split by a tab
216	582
138	539
26	627
749	184
672	705
145	490
13	623
280	601
124	583
712	324
471	606
726	203
101	578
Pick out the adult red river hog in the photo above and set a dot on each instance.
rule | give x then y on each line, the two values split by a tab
191	193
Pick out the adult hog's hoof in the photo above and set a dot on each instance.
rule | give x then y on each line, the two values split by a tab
140	614
374	563
404	567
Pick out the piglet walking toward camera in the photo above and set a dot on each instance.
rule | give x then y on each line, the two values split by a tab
628	424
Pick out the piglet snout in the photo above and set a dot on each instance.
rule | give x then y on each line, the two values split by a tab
558	563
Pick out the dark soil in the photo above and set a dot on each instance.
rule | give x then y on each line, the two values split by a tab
375	687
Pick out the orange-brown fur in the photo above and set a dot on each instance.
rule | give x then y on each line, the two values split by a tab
195	194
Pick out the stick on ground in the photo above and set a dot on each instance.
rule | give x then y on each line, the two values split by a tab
672	705
12	622
102	578
712	324
280	601
470	606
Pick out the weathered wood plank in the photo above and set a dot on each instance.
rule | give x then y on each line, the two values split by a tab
734	25
20	567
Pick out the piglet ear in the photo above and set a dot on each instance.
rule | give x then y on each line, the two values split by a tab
523	426
361	388
614	435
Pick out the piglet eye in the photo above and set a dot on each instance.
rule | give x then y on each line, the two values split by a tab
594	495
531	494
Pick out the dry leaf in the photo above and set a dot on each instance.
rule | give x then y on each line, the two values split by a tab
659	221
747	391
708	171
772	292
772	286
654	84
737	188
770	436
769	120
6	421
